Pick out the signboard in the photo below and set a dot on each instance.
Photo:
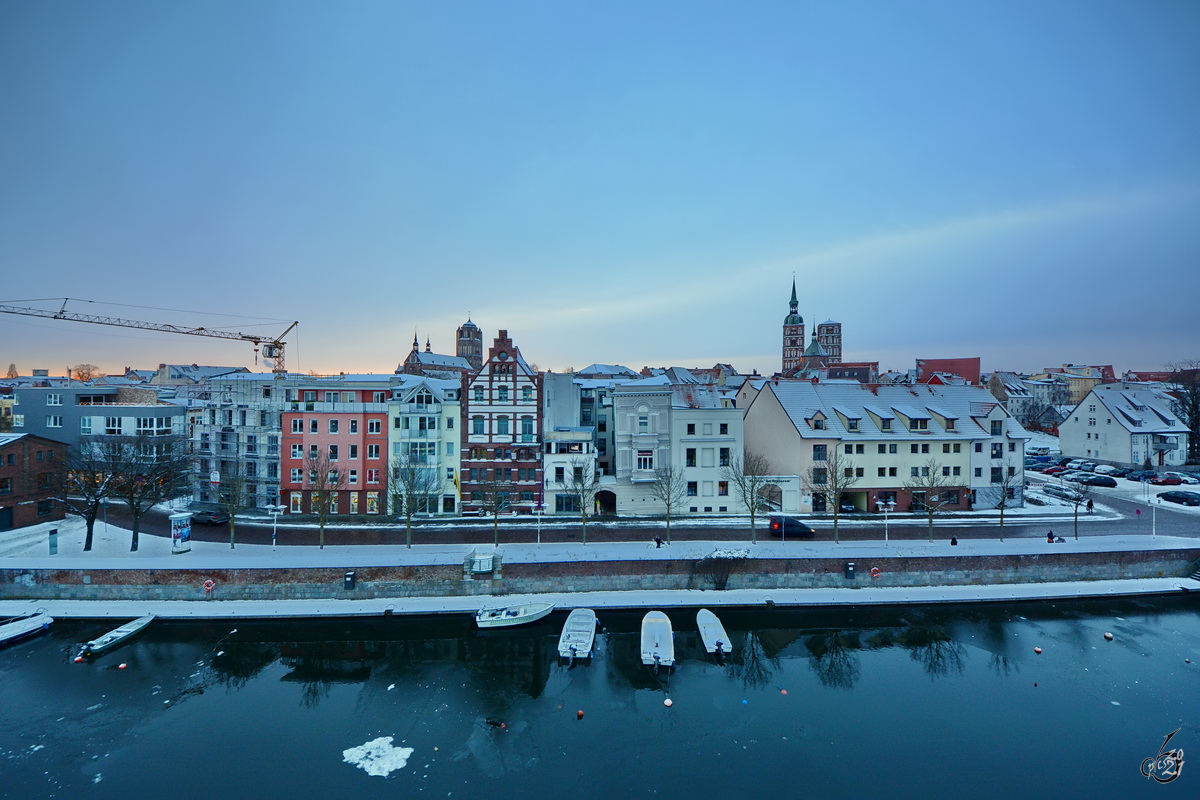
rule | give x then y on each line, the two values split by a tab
181	532
214	477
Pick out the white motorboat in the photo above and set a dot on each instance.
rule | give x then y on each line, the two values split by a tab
578	634
21	627
512	615
116	636
712	633
658	640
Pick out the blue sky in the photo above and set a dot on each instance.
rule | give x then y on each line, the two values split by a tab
628	183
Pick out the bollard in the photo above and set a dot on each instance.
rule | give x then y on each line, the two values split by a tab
348	581
54	541
849	570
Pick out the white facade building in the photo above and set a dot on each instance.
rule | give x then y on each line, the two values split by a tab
1126	424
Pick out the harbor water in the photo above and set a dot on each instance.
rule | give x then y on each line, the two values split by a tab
929	701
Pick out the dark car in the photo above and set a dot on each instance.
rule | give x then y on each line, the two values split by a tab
1119	472
847	507
210	517
790	526
1100	480
1182	497
1141	475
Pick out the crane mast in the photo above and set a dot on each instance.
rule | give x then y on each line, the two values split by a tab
272	346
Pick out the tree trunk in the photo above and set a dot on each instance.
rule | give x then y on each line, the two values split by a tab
90	521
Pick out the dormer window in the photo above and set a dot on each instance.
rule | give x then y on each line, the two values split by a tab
852	424
885	424
818	424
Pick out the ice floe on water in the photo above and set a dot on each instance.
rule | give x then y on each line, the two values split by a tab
378	757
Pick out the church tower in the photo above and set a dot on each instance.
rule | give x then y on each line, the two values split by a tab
470	344
793	334
830	334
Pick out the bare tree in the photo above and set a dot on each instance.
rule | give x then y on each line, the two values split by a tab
1185	383
82	483
1006	483
931	490
581	482
416	486
832	477
324	481
232	493
1082	497
748	475
494	497
145	471
670	488
12	372
85	372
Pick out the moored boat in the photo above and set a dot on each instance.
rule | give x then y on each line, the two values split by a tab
20	627
658	640
116	636
578	634
512	615
712	633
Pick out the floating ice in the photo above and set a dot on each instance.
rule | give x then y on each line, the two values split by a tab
392	686
378	757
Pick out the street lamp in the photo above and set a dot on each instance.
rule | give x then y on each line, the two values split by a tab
274	511
885	506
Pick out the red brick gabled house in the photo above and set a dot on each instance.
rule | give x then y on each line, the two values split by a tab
502	417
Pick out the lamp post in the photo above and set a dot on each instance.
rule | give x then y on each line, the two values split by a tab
104	505
275	511
885	506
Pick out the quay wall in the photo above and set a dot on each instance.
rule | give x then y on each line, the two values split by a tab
381	582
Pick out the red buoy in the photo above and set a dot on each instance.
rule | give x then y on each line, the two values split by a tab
579	714
1037	650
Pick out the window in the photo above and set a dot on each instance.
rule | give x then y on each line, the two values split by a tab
819	452
689	459
559	474
881	472
112	425
297	426
352	479
724	457
502	426
1012	446
958	447
945	472
886	424
723	488
372	476
477	424
53	421
643	423
333	426
85	426
691	429
645	459
998	450
925	447
527	426
297	475
979	447
333	452
852	424
378	397
820	476
914	472
478	394
723	429
297	451
818	424
6	485
373	452
354	426
946	448
949	424
997	474
849	450
691	489
882	449
314	426
449	423
913	448
374	426
313	451
979	472
502	394
997	427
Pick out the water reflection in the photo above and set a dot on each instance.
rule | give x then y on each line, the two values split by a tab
834	659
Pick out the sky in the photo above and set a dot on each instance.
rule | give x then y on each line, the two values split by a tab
619	182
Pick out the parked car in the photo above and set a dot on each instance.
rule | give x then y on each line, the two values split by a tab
1054	470
1120	472
1141	475
209	517
1165	480
1074	476
1100	480
790	526
847	507
1063	492
1105	469
1184	477
1181	497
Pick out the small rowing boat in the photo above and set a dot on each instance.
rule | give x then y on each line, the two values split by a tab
658	640
512	615
21	627
578	634
712	633
116	636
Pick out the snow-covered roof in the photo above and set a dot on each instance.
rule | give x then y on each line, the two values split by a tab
9	438
605	369
1137	408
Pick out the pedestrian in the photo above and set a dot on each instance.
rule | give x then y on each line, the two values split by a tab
953	541
1090	505
658	542
1050	537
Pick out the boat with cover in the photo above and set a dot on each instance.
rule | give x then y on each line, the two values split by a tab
116	636
712	633
20	627
658	640
512	615
578	634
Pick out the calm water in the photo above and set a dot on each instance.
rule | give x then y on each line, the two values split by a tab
924	701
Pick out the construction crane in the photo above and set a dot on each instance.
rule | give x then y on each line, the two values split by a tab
272	346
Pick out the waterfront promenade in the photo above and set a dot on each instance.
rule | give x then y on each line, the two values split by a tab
260	580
